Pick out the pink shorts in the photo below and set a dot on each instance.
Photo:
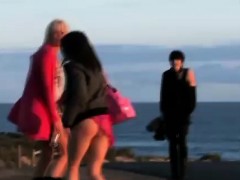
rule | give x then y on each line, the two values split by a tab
105	124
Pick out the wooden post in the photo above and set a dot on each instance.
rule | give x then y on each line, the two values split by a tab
19	156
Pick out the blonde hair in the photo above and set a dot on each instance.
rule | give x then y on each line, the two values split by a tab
52	26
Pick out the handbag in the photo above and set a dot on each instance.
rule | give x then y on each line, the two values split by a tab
120	107
158	126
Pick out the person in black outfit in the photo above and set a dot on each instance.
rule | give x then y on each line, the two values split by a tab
177	102
85	107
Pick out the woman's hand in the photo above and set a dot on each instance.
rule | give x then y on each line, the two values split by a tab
59	135
58	127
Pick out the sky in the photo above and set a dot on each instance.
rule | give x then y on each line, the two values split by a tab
209	31
152	22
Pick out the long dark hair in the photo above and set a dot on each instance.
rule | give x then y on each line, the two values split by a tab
75	46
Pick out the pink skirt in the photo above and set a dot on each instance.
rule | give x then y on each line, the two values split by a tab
105	124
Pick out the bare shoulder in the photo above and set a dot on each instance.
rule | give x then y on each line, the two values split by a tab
191	78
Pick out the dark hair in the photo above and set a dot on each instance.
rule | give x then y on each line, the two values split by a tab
75	46
176	54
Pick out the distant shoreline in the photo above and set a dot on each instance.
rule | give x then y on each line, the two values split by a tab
10	143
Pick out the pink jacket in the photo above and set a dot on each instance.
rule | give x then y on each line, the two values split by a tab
36	111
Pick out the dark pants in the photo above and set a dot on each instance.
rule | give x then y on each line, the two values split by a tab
177	137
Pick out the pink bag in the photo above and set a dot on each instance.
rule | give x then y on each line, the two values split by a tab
120	107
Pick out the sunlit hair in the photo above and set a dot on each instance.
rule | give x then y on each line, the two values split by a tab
54	25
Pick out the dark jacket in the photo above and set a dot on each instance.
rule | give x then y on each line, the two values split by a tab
85	94
177	97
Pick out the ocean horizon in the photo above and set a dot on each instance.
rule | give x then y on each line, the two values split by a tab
214	129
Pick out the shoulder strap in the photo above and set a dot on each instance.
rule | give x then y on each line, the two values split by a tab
185	73
64	62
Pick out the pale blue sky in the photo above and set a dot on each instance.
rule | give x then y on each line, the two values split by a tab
161	22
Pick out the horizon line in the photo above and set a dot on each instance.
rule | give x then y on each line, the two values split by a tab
162	46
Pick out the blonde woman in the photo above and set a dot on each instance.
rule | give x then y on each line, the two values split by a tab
36	112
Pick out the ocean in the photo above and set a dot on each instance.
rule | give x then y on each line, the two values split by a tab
214	129
136	72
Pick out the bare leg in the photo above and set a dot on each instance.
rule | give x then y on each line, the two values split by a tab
58	166
81	138
97	153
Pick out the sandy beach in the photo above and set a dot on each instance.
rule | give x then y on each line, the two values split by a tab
149	171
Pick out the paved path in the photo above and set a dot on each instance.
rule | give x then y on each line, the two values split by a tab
109	173
196	170
149	171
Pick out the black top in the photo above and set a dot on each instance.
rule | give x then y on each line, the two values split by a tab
177	97
85	94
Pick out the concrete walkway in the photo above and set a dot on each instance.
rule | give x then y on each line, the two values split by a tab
148	171
196	170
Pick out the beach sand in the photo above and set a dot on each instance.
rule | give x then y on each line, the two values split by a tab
149	171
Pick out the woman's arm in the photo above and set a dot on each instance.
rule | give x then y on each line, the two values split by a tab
191	78
192	91
48	72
